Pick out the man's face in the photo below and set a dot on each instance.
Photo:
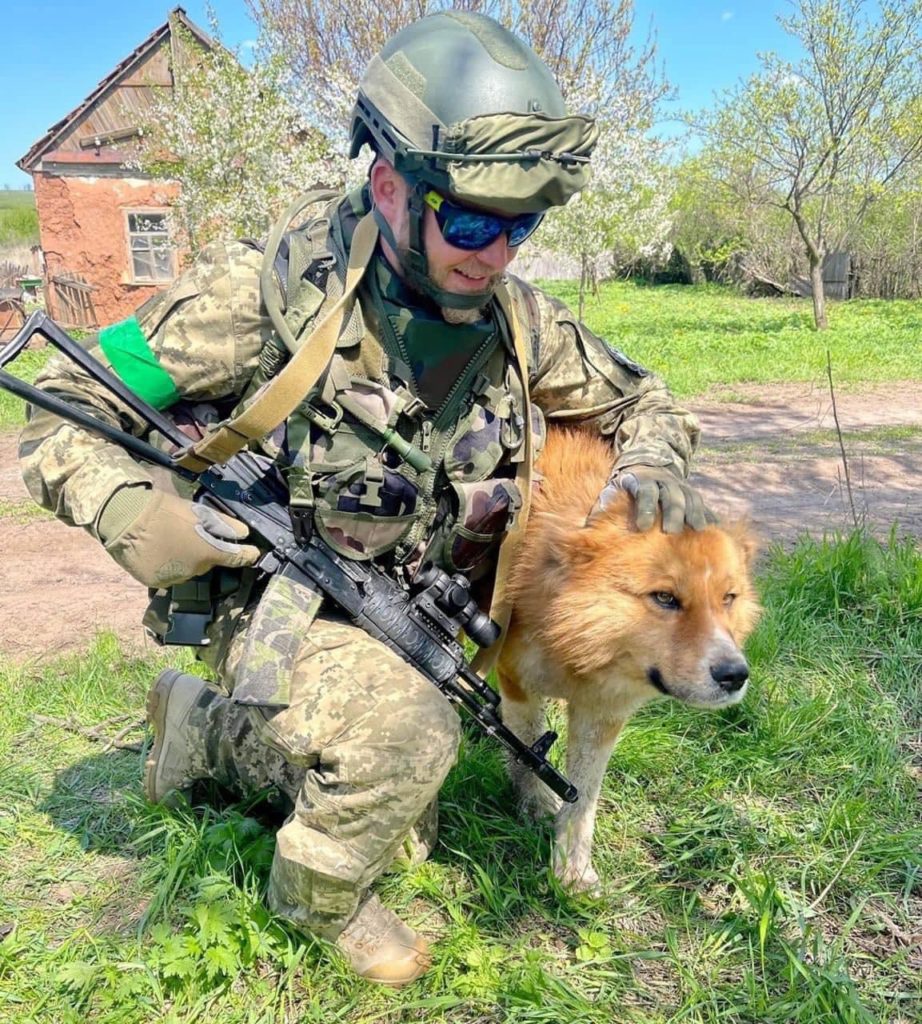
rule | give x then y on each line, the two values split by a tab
459	271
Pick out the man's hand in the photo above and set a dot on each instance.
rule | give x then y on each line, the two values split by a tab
654	487
162	539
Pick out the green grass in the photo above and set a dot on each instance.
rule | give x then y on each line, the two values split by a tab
23	511
18	218
27	367
873	435
759	864
17	199
808	444
699	337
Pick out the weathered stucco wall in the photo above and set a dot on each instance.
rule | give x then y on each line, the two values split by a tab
83	229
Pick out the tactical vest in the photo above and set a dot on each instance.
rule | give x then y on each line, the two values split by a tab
378	473
369	466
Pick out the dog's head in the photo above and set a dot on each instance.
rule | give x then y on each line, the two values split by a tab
656	613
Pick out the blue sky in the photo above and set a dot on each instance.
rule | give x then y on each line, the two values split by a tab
55	52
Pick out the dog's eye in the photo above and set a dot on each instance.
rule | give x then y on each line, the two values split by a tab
665	599
729	599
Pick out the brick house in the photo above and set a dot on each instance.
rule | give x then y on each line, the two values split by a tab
104	227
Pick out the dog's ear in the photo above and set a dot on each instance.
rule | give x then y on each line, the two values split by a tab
606	534
559	546
619	512
748	541
555	550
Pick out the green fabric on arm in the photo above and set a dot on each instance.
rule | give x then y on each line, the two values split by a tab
132	358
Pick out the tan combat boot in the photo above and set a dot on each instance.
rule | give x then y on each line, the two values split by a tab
177	757
381	948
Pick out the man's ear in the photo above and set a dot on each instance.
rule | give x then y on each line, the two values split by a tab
388	190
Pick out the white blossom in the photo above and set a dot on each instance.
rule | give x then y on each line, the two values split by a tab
623	213
237	143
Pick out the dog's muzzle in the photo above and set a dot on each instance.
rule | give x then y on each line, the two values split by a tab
727	684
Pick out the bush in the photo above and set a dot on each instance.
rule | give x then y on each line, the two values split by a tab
18	220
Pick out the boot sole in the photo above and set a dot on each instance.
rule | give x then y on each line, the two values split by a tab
157	700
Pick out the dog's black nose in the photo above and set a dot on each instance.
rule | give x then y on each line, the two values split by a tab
730	674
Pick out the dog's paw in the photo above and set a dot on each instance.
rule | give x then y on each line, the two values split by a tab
577	878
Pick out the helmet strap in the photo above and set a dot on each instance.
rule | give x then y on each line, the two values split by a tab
413	260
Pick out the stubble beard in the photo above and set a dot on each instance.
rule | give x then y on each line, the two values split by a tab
451	314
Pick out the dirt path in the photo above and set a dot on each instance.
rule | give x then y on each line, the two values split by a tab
770	454
59	587
775	457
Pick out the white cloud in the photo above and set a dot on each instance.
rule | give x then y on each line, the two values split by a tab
726	15
249	44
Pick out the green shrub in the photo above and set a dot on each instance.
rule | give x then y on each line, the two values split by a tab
18	227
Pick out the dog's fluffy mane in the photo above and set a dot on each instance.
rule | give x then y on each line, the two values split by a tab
575	466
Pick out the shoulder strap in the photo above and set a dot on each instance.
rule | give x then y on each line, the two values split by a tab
271	294
276	401
501	605
532	322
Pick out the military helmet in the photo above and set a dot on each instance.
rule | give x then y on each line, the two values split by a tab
457	103
459	100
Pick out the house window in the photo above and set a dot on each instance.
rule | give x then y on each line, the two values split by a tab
149	246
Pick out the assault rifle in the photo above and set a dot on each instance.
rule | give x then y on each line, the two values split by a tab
419	619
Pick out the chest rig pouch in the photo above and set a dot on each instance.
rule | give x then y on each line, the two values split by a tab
481	499
354	460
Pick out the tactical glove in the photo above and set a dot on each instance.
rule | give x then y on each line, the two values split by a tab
652	486
162	539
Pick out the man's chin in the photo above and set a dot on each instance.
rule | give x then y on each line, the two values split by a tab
460	284
452	315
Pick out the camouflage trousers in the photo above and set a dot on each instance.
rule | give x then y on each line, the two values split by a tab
359	754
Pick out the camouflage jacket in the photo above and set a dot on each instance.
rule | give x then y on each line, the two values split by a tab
210	335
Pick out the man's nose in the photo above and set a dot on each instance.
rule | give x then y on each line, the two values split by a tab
497	254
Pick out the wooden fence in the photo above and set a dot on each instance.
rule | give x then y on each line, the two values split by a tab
69	299
12	309
12	313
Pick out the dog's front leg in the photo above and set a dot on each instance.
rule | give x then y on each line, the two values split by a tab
589	746
525	714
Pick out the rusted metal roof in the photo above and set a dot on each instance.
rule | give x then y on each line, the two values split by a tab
48	142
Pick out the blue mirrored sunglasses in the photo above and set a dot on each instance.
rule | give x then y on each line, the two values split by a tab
470	229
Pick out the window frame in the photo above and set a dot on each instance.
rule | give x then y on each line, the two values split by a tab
148	211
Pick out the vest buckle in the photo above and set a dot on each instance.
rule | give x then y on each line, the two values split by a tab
302	523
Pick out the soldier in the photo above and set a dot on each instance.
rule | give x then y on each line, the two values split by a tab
428	339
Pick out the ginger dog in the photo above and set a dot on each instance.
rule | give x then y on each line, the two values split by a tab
607	618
